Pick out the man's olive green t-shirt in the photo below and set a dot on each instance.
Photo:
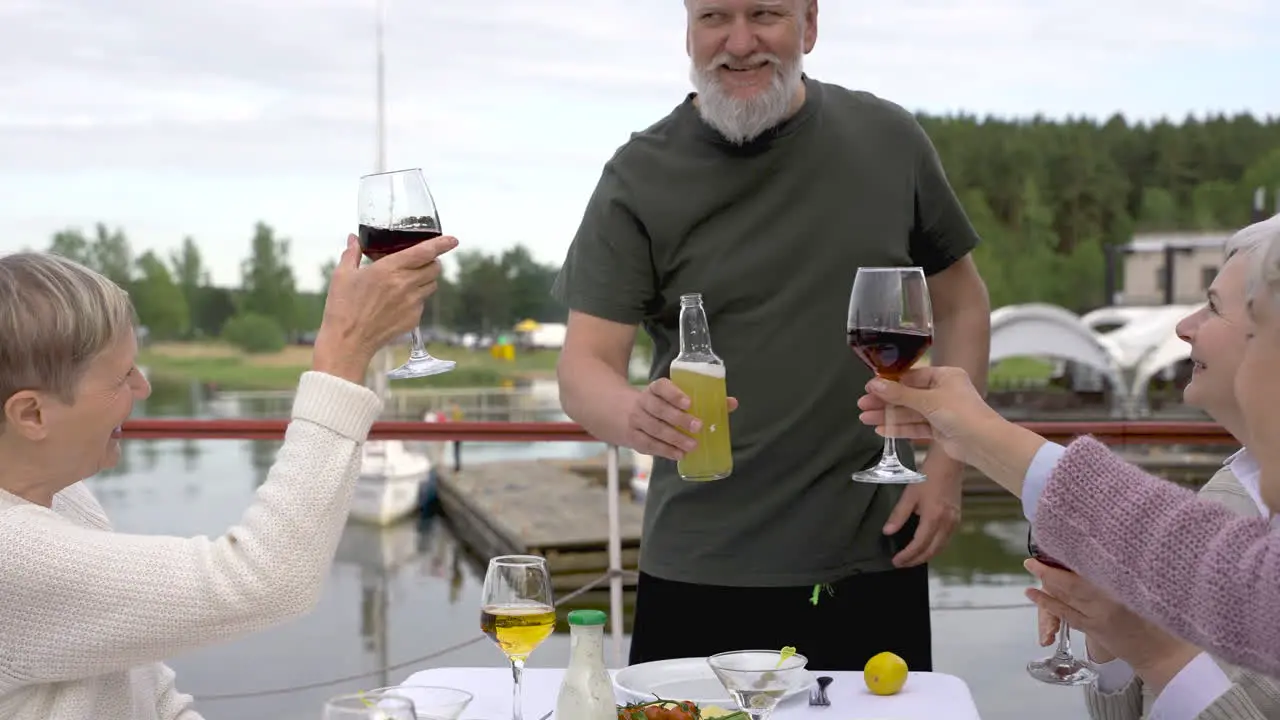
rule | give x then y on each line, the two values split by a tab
772	233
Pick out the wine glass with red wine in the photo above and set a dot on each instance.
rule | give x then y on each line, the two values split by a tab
1061	668
890	328
397	212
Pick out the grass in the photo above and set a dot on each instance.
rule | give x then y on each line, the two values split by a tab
1014	370
230	368
1017	370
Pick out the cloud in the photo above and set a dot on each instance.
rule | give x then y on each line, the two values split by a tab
200	118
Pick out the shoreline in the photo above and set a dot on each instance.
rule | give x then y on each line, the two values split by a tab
227	368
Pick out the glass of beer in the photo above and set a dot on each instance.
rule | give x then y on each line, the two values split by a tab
700	374
517	612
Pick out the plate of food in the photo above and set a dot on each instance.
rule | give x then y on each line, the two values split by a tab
682	679
677	710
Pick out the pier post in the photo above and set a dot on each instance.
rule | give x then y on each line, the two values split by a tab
615	554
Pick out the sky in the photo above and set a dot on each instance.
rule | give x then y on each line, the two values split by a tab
170	119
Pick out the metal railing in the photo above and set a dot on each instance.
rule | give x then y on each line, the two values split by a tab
1110	432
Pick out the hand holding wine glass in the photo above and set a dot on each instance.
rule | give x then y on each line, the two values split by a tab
397	212
366	307
890	327
1113	630
1063	667
928	403
517	612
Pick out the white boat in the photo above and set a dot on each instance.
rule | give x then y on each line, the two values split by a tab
641	466
394	482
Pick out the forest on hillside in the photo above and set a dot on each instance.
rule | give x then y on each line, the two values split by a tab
1048	196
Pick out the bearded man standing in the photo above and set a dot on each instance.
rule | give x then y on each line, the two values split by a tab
765	191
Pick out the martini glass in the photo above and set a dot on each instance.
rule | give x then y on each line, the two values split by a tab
432	702
757	680
369	706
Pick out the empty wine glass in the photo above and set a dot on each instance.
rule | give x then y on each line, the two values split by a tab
376	705
397	212
517	612
890	327
1062	667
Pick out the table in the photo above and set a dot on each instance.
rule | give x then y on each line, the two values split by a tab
927	696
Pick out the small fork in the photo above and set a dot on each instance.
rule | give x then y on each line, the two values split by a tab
818	696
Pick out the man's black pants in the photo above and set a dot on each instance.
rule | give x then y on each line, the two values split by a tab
869	613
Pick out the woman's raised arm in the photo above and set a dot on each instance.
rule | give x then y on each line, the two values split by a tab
80	602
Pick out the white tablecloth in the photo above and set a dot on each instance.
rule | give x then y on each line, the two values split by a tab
926	696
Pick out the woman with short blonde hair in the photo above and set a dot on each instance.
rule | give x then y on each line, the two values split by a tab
55	316
87	615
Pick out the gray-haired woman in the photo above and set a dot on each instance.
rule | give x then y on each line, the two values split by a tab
1192	566
88	615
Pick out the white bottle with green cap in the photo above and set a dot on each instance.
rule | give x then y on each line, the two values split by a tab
586	692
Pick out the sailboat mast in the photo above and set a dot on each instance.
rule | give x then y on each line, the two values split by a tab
382	87
382	361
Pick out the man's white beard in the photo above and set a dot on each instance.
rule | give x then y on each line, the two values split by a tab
741	121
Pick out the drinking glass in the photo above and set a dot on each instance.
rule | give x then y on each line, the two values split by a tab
433	702
758	679
376	705
397	212
890	327
1061	668
517	612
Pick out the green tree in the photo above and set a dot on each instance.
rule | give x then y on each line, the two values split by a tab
992	254
326	276
159	301
214	307
1159	210
1264	173
494	293
112	255
483	292
254	333
72	244
1029	267
191	278
530	284
268	288
1218	205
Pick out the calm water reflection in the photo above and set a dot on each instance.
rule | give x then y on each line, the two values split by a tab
398	594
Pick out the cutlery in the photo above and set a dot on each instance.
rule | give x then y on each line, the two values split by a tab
818	695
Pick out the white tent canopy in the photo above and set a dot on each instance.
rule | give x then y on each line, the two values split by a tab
1040	330
1143	344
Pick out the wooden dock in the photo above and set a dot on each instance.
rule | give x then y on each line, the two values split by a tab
540	508
559	509
1185	468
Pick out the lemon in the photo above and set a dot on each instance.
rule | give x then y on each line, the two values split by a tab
885	674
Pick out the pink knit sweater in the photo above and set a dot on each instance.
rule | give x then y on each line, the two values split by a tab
1193	566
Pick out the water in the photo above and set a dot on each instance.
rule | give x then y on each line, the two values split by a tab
401	593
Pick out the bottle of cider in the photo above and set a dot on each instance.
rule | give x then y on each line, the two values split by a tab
700	375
